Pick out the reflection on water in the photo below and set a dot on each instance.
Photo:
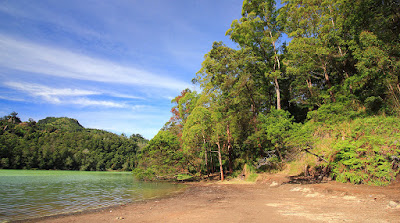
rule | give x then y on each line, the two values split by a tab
30	193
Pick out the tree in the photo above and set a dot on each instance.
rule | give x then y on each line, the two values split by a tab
275	127
196	136
185	103
259	30
227	81
161	158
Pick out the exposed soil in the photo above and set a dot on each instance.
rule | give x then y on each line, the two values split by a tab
274	199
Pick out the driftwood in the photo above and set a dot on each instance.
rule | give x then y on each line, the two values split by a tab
266	160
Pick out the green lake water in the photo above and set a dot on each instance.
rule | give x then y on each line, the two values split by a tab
26	194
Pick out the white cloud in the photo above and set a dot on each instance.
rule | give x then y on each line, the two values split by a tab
37	13
39	59
119	95
41	90
63	95
11	98
89	102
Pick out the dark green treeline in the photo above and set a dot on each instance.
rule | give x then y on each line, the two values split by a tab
63	144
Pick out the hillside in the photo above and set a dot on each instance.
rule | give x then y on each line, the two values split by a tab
62	143
51	124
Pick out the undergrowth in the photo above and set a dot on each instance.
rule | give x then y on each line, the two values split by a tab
360	151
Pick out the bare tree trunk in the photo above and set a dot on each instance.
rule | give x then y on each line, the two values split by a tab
309	85
277	66
398	87
221	169
206	156
278	94
212	164
228	132
329	83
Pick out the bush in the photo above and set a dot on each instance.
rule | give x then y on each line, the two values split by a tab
142	174
184	177
361	151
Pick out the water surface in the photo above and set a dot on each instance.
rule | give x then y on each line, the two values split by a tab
26	194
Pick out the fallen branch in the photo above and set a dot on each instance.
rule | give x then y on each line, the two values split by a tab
307	150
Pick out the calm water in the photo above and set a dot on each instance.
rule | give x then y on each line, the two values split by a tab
28	194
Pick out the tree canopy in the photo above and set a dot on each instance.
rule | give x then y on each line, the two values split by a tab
341	64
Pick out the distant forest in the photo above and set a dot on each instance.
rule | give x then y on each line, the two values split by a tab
332	90
64	144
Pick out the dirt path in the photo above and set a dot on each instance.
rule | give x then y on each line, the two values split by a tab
267	202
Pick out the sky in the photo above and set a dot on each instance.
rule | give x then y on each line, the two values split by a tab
112	65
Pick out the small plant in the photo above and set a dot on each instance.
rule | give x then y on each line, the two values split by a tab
184	177
249	171
252	177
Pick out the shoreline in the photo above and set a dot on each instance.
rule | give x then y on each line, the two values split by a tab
227	202
101	209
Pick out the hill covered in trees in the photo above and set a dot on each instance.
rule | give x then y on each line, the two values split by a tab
333	91
64	144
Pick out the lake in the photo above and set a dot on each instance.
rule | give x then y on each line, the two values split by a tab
26	194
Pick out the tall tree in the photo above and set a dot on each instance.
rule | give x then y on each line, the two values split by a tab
259	30
227	75
196	136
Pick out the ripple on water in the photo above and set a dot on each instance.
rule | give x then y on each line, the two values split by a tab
31	194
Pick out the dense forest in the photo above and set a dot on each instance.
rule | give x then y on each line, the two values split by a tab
64	144
326	98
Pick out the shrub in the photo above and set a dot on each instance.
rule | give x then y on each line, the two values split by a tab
141	174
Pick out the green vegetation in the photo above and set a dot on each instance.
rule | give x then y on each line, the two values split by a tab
334	89
63	144
329	99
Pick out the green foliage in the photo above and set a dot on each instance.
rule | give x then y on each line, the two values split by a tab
335	112
51	124
366	156
146	175
250	173
360	150
252	177
276	126
62	143
321	90
161	158
184	177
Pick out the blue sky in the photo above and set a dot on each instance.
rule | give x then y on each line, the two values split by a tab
112	65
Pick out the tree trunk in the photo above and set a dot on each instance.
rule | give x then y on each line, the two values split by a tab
329	83
228	132
277	66
278	94
205	156
309	85
221	169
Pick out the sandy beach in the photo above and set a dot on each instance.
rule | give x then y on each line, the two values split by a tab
268	201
